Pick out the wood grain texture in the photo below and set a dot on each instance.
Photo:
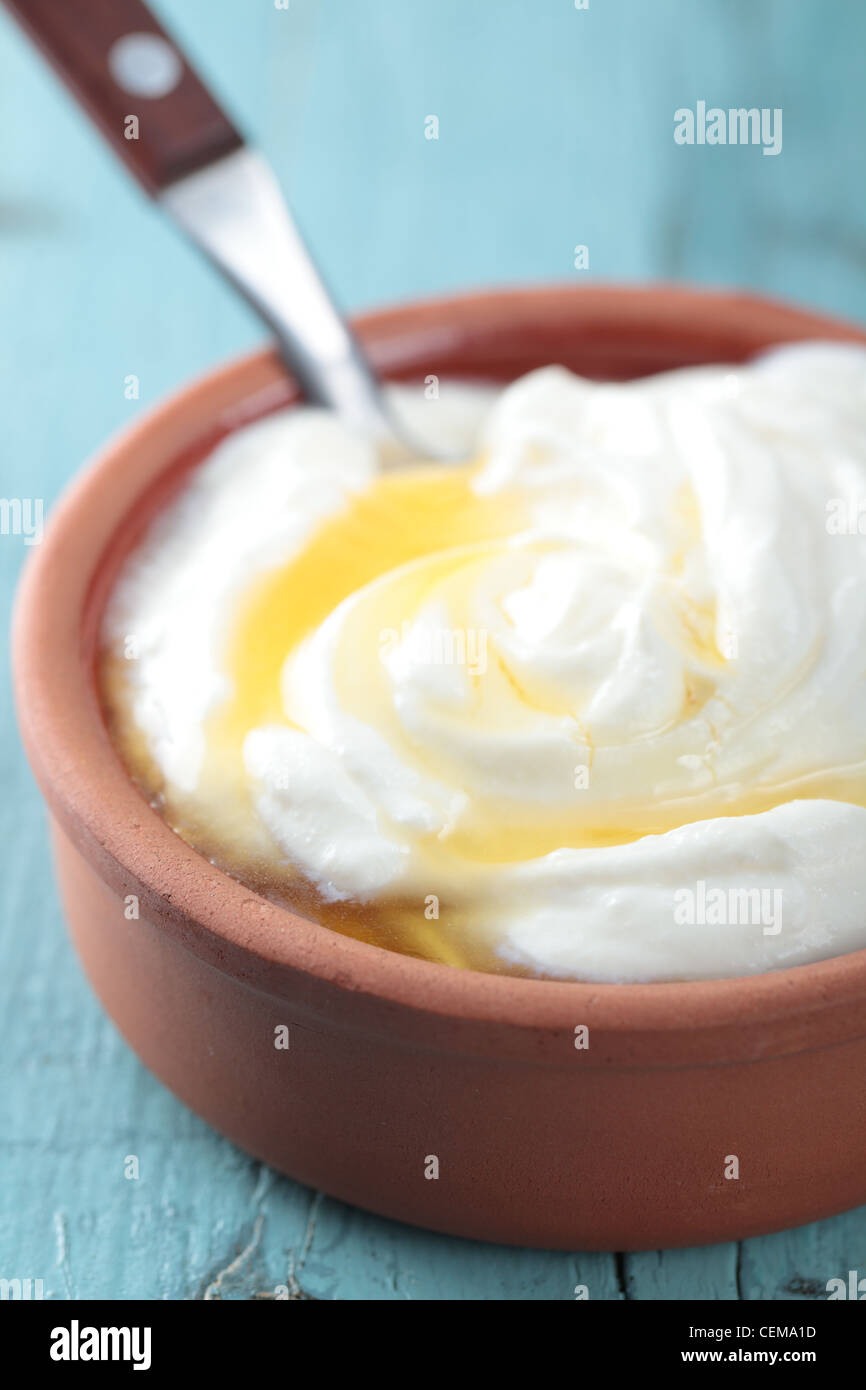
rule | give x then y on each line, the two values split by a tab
555	129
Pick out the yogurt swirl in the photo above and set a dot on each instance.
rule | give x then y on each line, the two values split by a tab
644	682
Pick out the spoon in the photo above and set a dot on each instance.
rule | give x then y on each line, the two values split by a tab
139	88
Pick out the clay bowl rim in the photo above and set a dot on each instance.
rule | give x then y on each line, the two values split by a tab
213	914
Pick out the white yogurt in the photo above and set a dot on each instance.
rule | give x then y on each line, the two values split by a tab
656	682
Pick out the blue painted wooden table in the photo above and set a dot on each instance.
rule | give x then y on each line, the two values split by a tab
555	130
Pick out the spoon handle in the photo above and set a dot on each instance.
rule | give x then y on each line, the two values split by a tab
137	85
134	82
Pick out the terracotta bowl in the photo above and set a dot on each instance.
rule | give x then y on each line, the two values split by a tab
392	1060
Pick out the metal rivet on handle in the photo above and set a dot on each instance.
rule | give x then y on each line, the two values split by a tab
145	65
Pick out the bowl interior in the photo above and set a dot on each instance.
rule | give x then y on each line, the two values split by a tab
608	334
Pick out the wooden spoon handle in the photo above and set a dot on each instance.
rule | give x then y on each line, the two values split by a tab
135	83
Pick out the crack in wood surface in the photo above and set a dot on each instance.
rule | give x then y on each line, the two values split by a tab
214	1289
295	1289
